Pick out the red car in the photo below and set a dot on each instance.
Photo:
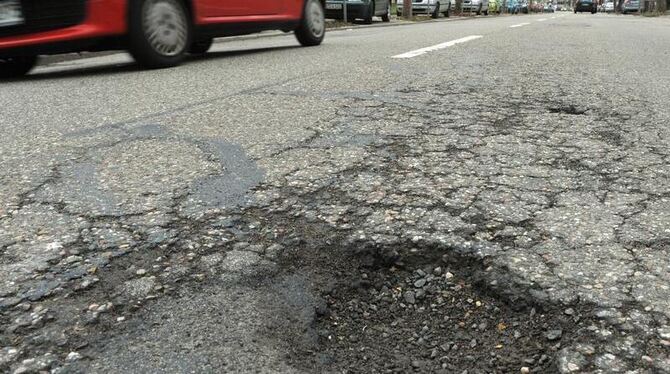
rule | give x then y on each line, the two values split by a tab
158	33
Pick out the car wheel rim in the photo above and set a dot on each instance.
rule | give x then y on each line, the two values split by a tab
315	18
165	26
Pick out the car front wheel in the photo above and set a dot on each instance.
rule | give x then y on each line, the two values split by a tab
312	27
15	67
160	32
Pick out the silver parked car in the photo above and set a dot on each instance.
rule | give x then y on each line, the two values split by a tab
432	7
477	6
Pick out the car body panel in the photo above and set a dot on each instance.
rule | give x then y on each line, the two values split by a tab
631	6
427	6
475	5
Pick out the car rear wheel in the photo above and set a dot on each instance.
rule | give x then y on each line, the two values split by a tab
201	46
387	17
160	32
436	12
312	27
15	67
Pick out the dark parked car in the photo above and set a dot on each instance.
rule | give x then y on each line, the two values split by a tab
586	6
359	9
523	7
158	33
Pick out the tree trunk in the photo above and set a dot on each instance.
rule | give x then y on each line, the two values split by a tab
407	9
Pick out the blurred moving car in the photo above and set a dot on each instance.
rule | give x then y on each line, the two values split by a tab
477	6
585	6
432	7
609	7
549	8
359	9
631	6
158	33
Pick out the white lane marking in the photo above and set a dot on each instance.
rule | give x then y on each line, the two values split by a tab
554	17
437	47
519	25
541	20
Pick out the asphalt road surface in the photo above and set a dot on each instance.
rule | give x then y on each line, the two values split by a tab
483	195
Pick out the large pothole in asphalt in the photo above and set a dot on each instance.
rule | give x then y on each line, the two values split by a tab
428	313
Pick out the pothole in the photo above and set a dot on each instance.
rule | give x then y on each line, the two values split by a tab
568	109
425	313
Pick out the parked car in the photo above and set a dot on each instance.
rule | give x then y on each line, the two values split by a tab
477	6
585	6
359	9
523	7
548	8
432	7
158	33
609	7
631	6
496	6
513	6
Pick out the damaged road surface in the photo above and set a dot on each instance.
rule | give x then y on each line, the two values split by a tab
496	206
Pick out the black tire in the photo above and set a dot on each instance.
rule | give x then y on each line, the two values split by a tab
436	12
149	54
486	13
312	27
200	47
16	67
387	16
371	12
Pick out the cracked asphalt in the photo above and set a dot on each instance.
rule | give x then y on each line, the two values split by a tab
501	205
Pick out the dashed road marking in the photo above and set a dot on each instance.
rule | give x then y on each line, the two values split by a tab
437	47
519	25
541	20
